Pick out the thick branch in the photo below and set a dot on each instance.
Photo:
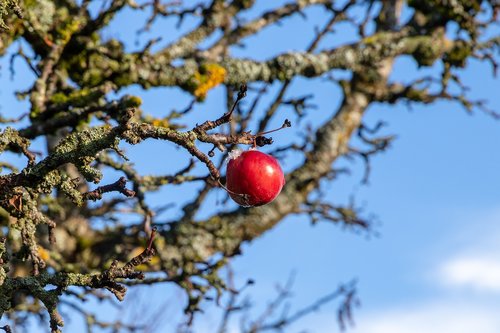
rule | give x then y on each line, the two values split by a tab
353	57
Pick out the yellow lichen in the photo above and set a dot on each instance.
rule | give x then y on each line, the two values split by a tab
160	122
209	76
43	254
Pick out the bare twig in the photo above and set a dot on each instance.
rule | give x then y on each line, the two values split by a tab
118	186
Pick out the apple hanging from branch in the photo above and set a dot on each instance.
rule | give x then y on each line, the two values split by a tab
254	178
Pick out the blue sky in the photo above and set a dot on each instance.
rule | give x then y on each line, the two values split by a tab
435	266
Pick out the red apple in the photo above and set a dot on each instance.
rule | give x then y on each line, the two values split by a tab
254	178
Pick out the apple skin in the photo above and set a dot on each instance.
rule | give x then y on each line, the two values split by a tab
254	178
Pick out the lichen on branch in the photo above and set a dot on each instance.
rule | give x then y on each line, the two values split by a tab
7	8
65	223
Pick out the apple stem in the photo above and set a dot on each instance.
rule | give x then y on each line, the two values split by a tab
242	195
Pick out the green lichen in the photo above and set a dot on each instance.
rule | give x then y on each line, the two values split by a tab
90	173
79	148
4	258
78	98
463	12
69	188
426	51
417	94
7	8
42	12
84	243
132	101
459	54
84	143
10	137
377	38
67	26
50	180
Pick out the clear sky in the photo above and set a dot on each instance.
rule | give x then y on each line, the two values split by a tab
435	266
